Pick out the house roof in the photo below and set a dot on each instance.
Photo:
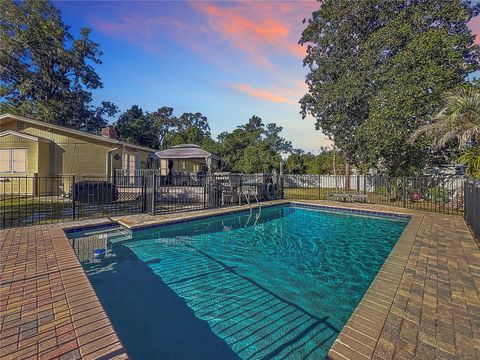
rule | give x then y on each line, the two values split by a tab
22	135
73	131
185	151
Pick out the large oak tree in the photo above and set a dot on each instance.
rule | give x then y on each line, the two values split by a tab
46	72
377	69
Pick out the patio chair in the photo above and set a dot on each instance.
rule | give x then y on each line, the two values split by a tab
340	196
230	187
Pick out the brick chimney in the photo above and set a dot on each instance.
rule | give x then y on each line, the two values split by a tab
110	132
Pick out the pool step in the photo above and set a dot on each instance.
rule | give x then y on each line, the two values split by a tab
113	234
119	235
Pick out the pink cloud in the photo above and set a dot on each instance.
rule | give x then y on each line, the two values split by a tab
475	26
134	27
276	94
261	30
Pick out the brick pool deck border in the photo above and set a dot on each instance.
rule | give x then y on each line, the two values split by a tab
48	309
423	304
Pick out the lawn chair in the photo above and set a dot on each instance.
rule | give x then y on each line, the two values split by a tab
340	197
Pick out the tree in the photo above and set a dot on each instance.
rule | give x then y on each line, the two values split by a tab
258	158
164	121
45	72
274	140
191	128
471	157
457	122
162	129
299	162
377	69
295	163
136	127
253	147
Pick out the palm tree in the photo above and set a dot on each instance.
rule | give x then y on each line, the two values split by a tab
458	120
472	158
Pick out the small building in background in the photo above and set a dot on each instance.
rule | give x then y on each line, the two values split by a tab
187	159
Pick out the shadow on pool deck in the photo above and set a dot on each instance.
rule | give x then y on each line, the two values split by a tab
150	319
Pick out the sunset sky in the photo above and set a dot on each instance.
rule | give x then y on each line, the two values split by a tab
227	60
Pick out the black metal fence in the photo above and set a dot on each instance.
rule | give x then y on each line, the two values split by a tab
443	194
472	206
43	200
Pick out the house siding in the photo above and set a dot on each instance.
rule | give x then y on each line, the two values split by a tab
81	155
73	155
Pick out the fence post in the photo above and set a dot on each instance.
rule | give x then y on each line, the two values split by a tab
144	193
205	191
319	179
35	186
404	193
74	208
281	183
154	194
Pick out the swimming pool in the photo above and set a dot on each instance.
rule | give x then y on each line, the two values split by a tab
275	283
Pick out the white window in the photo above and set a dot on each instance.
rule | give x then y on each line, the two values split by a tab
13	161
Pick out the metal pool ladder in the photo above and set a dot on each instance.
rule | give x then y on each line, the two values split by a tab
246	193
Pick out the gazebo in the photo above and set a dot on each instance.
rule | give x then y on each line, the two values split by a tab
186	158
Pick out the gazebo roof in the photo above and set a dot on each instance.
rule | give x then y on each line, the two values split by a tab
185	151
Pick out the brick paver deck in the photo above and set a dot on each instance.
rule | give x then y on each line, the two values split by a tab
48	308
423	304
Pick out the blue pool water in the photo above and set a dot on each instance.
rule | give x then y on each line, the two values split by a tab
280	283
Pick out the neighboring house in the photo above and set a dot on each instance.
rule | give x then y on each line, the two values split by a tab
32	148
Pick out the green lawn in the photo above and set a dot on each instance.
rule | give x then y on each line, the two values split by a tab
30	210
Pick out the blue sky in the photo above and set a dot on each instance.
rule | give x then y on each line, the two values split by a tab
228	60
